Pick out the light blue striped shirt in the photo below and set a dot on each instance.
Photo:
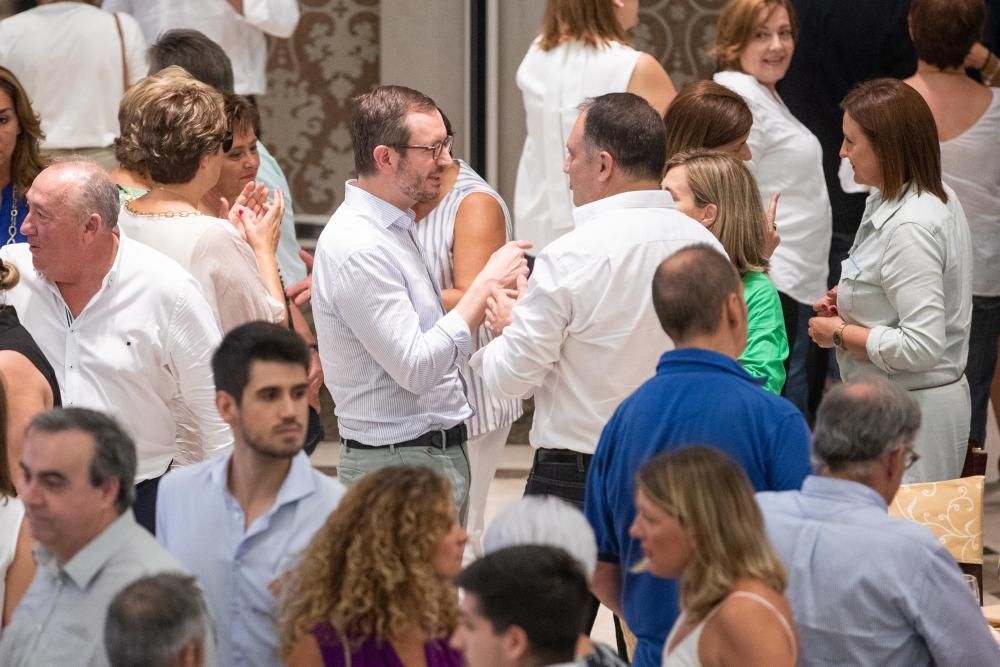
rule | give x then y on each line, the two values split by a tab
868	589
390	355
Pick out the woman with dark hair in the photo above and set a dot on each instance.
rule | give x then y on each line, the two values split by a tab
707	115
967	115
903	306
374	586
733	608
583	51
20	158
17	566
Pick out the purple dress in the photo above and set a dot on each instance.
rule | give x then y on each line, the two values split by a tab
373	653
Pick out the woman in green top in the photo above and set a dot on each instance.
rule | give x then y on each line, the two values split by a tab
716	189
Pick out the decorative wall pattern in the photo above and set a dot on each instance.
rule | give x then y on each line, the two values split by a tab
333	56
679	34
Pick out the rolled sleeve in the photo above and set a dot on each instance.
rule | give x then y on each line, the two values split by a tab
912	274
275	17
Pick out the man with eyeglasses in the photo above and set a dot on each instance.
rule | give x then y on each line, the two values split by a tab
391	356
867	589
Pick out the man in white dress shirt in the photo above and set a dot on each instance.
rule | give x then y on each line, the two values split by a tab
391	356
125	328
584	335
238	26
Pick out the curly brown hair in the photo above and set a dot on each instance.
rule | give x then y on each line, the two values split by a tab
369	570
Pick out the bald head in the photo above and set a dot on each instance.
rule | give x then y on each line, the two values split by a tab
690	289
86	189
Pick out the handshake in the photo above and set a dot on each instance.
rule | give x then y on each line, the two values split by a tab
503	281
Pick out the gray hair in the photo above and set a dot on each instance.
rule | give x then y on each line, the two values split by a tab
95	192
547	521
150	621
857	423
114	450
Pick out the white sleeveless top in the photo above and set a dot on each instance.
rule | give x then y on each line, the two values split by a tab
685	654
969	164
436	235
788	158
11	516
553	84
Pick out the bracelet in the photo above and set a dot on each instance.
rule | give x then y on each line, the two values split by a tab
838	337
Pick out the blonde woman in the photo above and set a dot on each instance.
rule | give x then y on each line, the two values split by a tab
733	608
718	191
583	51
373	587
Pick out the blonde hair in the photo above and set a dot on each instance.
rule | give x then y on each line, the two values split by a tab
736	25
592	22
368	571
9	276
740	223
710	495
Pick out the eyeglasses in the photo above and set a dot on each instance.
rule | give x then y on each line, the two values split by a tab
436	148
909	458
227	142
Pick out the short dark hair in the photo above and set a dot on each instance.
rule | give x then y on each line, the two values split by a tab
627	127
114	450
943	31
379	119
689	289
899	124
201	57
241	114
150	621
540	589
254	341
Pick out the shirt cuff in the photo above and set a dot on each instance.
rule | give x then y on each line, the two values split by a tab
458	330
873	347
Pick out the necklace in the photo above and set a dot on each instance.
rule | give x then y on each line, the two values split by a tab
168	214
12	230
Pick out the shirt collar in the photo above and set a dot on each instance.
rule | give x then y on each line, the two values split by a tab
299	482
884	210
697	356
623	200
841	490
110	277
378	210
83	567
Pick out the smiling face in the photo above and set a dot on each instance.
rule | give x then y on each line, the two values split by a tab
767	55
859	150
240	164
272	414
418	174
665	543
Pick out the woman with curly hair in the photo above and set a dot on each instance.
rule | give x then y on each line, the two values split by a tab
373	587
732	583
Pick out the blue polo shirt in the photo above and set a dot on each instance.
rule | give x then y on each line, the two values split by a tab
697	397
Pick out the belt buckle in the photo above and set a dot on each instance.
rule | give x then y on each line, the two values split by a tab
444	438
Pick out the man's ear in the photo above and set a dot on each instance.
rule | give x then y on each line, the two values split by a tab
515	644
227	406
384	157
606	165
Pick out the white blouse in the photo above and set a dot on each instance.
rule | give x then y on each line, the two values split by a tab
788	158
970	165
11	516
554	83
908	279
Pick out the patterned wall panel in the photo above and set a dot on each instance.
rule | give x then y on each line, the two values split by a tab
333	56
679	33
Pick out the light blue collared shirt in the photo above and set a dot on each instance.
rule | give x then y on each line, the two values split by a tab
202	525
868	589
390	355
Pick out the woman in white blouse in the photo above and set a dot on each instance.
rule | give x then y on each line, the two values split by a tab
583	51
754	43
904	302
967	115
17	566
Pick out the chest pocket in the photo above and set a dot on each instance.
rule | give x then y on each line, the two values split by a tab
850	272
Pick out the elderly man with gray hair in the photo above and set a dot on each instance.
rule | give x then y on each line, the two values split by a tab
157	621
867	589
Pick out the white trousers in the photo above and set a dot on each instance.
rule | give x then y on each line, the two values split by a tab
485	451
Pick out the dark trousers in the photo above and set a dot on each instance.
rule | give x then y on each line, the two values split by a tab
144	506
983	336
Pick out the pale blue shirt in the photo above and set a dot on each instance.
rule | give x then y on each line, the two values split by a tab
293	269
390	355
201	524
868	589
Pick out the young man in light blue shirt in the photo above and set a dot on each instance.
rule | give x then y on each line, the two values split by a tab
238	523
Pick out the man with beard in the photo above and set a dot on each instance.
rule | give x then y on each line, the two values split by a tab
238	522
391	356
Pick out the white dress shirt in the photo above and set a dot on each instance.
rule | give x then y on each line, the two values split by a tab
199	522
241	37
67	55
390	355
145	337
585	336
788	158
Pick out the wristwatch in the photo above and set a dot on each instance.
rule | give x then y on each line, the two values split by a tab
838	337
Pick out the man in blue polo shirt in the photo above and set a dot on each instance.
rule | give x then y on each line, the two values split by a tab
699	395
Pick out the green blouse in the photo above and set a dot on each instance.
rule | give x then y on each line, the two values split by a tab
767	343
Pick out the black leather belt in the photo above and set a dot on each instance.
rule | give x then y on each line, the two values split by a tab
452	437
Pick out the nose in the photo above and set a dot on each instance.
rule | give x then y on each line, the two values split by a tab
456	641
28	224
745	153
841	154
633	531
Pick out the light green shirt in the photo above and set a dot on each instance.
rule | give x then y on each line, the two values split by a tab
767	342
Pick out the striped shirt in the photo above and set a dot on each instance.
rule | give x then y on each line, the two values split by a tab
436	234
390	355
